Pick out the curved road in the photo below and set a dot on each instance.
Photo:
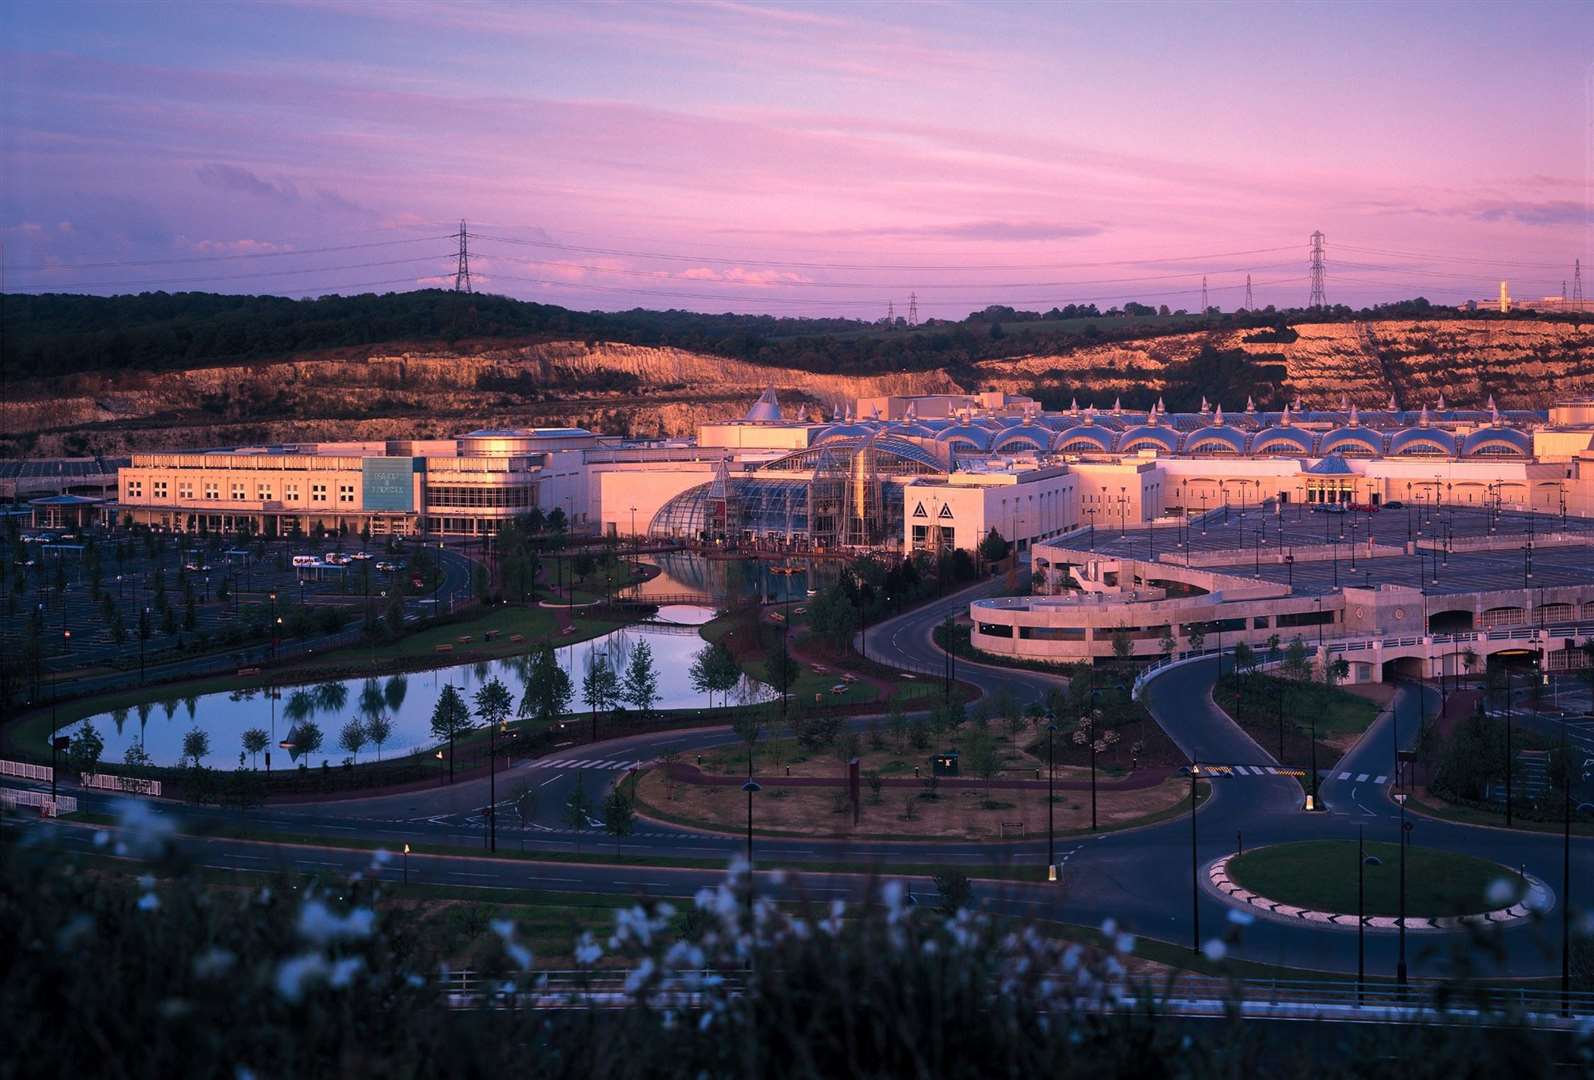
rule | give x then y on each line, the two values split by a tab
1141	877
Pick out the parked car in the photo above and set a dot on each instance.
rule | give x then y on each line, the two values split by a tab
1394	504
305	560
361	555
335	558
387	566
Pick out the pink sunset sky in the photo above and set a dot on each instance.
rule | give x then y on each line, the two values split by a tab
797	158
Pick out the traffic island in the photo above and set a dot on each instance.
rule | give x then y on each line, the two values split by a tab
1317	881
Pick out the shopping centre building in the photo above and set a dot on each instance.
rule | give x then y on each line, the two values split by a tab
893	474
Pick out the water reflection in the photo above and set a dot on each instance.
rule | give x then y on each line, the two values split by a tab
732	579
307	723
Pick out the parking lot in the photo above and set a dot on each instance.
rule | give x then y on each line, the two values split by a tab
90	591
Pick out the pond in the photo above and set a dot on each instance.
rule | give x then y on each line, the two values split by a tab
732	578
406	700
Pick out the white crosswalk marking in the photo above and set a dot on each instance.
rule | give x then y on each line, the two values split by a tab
1362	779
1379	779
1271	771
1344	776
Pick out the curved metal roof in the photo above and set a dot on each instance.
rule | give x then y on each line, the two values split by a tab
842	431
1099	437
1282	440
1032	435
1417	441
1158	435
978	437
1352	439
1222	436
1497	440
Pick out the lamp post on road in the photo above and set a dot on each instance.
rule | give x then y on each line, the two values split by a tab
751	787
1508	748
1566	876
1051	771
1361	914
1195	883
1405	830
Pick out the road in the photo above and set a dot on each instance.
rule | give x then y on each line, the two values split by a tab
1141	877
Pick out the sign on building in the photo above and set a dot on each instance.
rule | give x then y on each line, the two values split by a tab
389	483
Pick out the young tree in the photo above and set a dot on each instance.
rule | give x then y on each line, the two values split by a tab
1244	658
600	687
305	737
493	703
994	547
1168	643
83	752
380	729
746	725
782	671
255	740
1296	663
714	669
641	685
875	781
618	816
984	759
450	717
1196	635
353	737
196	744
548	690
897	725
578	807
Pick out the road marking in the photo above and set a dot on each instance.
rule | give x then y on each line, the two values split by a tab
1271	771
1379	779
1344	776
1362	779
550	780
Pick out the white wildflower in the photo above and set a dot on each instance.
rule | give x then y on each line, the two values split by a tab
1241	918
587	952
212	963
77	928
1125	943
414	981
145	832
504	928
519	954
296	973
639	976
1214	950
344	971
1109	927
381	857
101	838
1501	890
149	902
320	924
146	881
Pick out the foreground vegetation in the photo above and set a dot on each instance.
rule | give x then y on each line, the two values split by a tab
171	974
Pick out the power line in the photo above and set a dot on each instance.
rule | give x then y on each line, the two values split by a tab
224	258
667	275
678	257
57	286
1447	257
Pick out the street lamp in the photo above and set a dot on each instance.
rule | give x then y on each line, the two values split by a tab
751	787
406	862
1405	830
1195	884
1051	770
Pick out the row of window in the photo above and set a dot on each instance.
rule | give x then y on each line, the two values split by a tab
509	497
239	491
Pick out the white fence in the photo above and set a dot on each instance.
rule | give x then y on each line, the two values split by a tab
11	798
127	785
26	770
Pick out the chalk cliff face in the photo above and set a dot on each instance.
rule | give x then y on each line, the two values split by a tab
1522	363
423	391
440	390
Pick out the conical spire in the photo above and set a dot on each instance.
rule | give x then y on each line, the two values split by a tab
913	411
1250	404
1161	405
1284	417
1117	406
1422	417
1344	402
1354	420
1441	405
1218	417
1204	405
1393	407
1073	406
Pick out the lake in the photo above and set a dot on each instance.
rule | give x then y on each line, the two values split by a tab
407	700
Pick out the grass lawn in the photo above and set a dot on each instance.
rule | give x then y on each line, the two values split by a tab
1426	802
1321	874
559	577
1340	716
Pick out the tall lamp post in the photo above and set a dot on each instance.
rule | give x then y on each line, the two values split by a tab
1405	830
1195	883
1508	748
1566	876
1051	770
1361	915
751	787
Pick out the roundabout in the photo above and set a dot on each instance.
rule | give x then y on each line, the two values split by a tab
1320	881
